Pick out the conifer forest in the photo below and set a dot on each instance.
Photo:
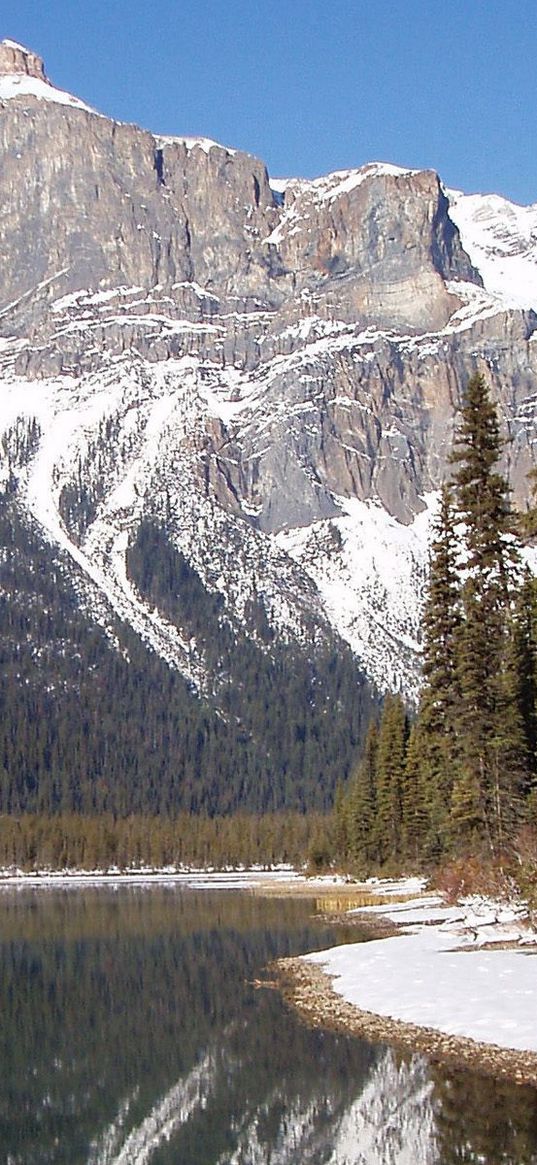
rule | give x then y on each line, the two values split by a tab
460	776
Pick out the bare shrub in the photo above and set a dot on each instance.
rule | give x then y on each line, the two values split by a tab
472	874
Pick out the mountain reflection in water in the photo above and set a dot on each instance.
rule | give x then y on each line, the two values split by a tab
131	1033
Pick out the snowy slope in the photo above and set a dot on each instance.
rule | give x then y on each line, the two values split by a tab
370	571
158	413
501	240
289	438
20	85
360	569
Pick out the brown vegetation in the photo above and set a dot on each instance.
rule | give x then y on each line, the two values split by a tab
33	842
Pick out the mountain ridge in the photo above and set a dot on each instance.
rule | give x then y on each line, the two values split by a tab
270	377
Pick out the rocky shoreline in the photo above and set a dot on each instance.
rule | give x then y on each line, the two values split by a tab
309	990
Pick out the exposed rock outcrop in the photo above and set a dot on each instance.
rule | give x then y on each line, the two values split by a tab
311	348
14	58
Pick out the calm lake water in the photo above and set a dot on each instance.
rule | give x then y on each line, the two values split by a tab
131	1033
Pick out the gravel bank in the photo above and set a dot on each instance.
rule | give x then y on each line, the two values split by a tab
309	989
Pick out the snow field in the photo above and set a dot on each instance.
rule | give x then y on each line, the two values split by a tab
437	974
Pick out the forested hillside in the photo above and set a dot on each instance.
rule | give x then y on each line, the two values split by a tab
95	722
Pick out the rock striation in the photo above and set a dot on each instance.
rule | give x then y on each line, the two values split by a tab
282	363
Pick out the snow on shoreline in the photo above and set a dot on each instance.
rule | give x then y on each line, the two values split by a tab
204	879
437	974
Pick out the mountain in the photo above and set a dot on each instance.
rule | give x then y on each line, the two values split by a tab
226	404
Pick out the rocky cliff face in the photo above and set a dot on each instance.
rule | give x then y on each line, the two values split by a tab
137	209
17	61
272	373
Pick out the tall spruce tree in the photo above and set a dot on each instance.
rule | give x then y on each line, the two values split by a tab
418	807
524	648
390	768
361	807
440	696
493	760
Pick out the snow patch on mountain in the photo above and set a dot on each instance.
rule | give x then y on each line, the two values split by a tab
325	189
370	571
501	241
133	436
14	44
341	182
192	143
87	298
67	415
20	85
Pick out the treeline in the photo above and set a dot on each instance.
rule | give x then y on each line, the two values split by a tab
462	777
69	841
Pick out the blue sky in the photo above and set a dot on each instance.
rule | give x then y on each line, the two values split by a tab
311	86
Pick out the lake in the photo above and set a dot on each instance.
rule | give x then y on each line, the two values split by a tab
132	1031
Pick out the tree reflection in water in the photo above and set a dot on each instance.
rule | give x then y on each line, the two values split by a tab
131	1032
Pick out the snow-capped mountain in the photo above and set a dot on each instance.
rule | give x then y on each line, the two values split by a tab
501	240
267	372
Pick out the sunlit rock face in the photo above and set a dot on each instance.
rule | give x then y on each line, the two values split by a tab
15	60
273	369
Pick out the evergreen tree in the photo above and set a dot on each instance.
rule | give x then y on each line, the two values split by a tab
361	807
440	695
390	768
341	832
528	520
418	806
524	645
467	811
493	753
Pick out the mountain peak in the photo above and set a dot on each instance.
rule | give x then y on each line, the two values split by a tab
15	60
22	74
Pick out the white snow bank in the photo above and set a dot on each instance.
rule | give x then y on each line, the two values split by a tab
19	85
206	879
390	886
424	977
426	910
